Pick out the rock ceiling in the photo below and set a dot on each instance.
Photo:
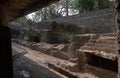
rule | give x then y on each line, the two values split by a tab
13	9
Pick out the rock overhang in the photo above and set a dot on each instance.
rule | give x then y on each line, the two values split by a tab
13	9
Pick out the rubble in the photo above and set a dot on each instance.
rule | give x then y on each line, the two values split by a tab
99	54
93	53
103	46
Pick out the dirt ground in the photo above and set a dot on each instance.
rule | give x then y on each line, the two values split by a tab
34	64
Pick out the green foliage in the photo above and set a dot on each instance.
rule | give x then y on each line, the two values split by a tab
102	4
22	21
85	5
70	7
46	13
40	15
89	5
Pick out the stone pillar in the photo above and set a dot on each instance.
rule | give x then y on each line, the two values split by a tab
77	42
117	6
5	53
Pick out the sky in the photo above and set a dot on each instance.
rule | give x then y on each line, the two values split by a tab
30	15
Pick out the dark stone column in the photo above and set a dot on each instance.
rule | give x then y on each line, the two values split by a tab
6	70
117	6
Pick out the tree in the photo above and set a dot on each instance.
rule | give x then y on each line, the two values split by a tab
67	14
55	11
63	8
69	7
102	4
22	21
51	12
85	5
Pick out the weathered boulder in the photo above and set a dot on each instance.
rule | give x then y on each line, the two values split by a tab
15	29
31	34
60	33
